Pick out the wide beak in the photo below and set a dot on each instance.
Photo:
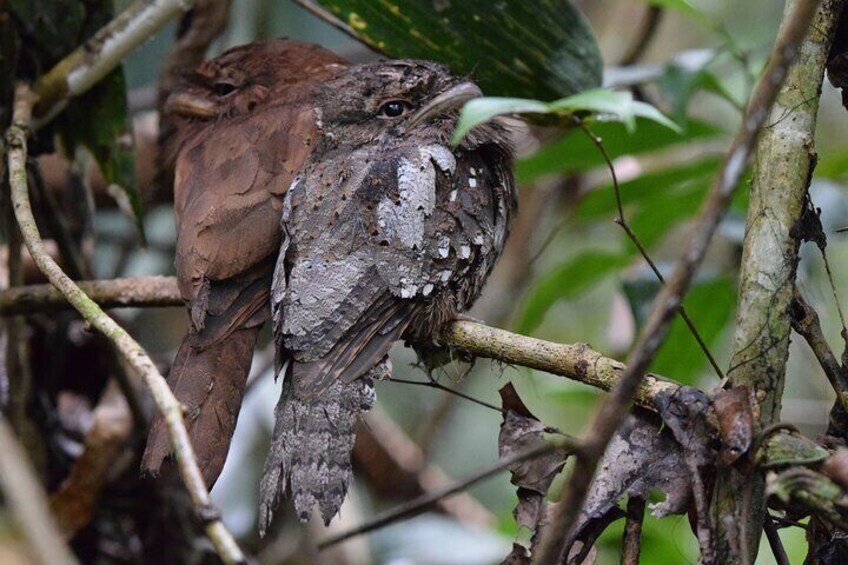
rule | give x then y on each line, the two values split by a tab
452	98
191	106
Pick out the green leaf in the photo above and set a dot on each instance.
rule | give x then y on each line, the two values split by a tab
576	152
568	281
543	49
679	84
99	120
607	104
616	103
481	110
647	190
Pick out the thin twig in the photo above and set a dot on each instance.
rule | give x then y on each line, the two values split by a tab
422	503
622	221
135	356
439	386
805	322
647	31
615	407
632	539
774	542
27	502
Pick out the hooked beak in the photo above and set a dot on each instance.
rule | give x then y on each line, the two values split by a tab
452	98
191	106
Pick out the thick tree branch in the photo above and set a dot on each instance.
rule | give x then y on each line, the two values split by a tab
90	62
613	410
135	356
578	362
775	227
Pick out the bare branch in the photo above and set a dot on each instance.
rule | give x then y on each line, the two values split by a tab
774	542
75	502
578	362
116	293
28	502
805	321
779	214
632	539
647	31
135	356
613	410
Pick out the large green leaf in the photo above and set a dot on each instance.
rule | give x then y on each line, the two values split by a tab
542	49
575	151
567	281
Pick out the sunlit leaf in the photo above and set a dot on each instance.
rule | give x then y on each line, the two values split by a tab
568	281
618	104
543	49
481	110
603	103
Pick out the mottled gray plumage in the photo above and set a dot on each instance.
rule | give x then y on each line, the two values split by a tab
388	233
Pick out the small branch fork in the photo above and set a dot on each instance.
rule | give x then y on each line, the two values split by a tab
16	139
615	407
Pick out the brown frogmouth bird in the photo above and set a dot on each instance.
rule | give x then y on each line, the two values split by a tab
388	233
237	132
343	181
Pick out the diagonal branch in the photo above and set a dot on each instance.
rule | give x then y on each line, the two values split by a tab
424	502
89	63
16	140
613	410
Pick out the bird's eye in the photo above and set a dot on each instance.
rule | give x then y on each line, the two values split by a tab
394	108
223	88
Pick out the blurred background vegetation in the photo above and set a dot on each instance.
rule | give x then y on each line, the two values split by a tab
569	274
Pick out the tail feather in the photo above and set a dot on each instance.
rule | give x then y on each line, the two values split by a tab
310	455
209	382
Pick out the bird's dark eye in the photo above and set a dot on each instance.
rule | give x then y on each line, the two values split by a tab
394	108
223	88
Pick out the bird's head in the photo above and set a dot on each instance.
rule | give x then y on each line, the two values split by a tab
391	99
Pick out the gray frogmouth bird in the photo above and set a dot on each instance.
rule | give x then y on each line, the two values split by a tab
388	233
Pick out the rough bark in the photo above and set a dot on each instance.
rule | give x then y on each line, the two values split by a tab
784	162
